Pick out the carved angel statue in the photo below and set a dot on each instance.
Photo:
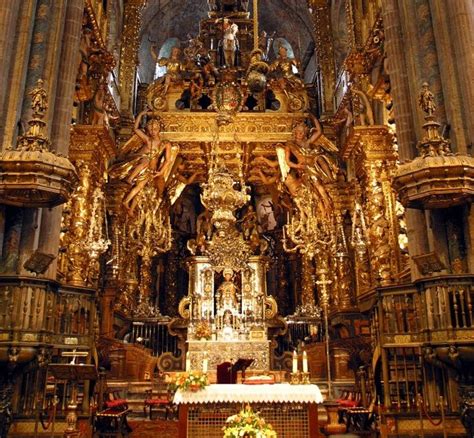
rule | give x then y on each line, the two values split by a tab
39	98
144	159
426	100
306	159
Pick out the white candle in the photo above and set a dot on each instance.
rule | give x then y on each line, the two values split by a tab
295	362
204	365
188	362
305	362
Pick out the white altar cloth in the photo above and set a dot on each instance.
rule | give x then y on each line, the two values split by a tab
278	393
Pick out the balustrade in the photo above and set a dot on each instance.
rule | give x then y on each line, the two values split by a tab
433	305
34	310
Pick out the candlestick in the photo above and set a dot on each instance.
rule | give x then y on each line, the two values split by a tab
204	365
305	362
188	362
295	362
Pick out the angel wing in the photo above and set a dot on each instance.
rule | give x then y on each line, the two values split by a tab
326	144
127	157
133	145
284	168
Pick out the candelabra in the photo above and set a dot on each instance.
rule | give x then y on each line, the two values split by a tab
324	282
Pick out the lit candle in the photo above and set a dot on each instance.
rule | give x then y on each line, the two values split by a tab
305	362
204	365
188	362
295	362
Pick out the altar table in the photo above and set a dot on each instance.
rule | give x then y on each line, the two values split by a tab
290	409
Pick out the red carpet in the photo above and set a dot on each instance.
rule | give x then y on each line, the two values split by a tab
153	429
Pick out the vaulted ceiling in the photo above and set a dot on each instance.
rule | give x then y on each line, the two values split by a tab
163	19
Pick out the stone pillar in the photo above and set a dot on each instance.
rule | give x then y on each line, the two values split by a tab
61	123
17	73
461	25
406	132
455	88
9	10
395	46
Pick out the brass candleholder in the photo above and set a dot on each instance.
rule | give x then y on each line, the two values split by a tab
304	379
295	378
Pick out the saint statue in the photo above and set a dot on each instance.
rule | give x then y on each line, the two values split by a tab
39	100
426	100
229	45
227	292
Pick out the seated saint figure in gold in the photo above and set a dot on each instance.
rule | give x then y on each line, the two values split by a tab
227	292
283	68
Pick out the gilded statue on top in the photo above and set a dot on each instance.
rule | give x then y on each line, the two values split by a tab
173	66
284	70
145	159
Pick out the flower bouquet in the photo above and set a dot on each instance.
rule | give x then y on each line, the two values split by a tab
248	424
203	330
190	381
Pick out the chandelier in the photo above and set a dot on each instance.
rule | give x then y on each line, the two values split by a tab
307	232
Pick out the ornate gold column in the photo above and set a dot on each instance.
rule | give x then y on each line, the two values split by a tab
343	270
324	49
84	226
129	53
374	159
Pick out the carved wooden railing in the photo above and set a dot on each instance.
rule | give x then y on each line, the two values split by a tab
449	302
422	327
43	312
438	309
